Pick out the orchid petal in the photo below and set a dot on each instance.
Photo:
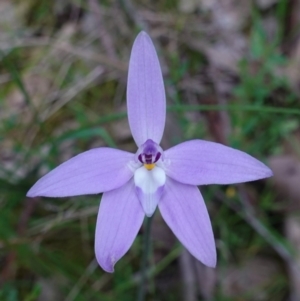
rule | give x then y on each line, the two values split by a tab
94	171
199	162
146	101
149	187
119	220
184	211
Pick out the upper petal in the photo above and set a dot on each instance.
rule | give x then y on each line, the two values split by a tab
119	219
199	162
146	103
91	172
184	210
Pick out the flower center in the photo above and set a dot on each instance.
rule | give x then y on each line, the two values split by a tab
149	166
149	177
149	153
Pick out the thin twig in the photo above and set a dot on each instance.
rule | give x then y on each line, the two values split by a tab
152	271
89	55
60	219
134	15
82	280
73	91
9	267
104	36
146	251
189	282
247	213
24	42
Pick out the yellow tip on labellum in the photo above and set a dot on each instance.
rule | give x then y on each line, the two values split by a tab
149	166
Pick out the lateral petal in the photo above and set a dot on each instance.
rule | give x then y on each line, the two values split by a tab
184	211
119	219
149	187
199	162
146	102
94	171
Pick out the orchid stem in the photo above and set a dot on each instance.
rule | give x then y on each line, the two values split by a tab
146	251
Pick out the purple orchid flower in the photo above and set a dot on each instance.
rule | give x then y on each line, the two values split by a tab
135	184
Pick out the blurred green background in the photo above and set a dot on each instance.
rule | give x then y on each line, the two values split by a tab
232	75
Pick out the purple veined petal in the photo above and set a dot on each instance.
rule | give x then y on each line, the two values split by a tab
146	102
184	211
119	219
149	187
199	162
94	171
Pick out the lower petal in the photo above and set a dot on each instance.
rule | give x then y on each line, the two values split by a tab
149	187
184	210
119	219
